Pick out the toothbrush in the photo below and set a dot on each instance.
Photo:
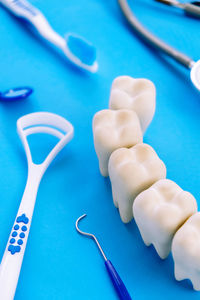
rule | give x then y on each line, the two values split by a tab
75	48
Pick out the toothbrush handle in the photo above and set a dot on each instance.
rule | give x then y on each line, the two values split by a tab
23	9
13	256
117	282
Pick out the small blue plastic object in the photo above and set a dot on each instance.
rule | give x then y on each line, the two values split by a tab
14	234
24	228
16	227
14	249
82	49
22	235
22	219
20	242
19	93
12	241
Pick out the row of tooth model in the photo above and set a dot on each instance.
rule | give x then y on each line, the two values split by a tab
166	215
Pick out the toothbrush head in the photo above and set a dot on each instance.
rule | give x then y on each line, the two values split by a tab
81	52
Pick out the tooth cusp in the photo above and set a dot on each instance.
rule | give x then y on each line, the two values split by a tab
134	94
112	130
160	211
132	171
186	251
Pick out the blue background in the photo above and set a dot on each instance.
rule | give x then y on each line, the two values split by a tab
59	264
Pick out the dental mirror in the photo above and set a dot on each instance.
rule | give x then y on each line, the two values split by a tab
16	94
195	74
154	41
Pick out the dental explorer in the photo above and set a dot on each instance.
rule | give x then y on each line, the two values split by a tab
116	280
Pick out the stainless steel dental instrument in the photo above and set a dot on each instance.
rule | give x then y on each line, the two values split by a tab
116	280
191	9
154	41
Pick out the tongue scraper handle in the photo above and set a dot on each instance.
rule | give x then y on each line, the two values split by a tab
13	256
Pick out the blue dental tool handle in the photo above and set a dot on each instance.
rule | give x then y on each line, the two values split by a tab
19	93
117	282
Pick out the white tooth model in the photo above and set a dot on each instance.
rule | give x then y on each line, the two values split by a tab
160	211
135	94
186	251
113	129
131	172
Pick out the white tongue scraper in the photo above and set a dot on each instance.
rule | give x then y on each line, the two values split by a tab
75	48
13	256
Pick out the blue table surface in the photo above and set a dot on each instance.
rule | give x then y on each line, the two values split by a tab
60	264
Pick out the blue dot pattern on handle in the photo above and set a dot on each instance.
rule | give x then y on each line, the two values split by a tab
13	249
22	235
22	219
24	228
14	234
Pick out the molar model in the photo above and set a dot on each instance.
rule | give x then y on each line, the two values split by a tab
112	130
186	251
160	211
164	213
131	172
138	95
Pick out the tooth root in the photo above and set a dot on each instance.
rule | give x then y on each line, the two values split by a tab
179	273
163	249
132	171
114	198
126	214
196	281
125	209
186	251
135	94
113	130
160	211
145	238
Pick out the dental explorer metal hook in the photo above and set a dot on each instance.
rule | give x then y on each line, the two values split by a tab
90	235
116	280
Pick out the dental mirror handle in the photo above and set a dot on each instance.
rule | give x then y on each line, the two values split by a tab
117	282
151	38
13	256
191	9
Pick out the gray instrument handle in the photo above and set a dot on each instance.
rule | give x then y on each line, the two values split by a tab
152	39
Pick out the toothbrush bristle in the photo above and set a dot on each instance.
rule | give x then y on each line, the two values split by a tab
82	49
